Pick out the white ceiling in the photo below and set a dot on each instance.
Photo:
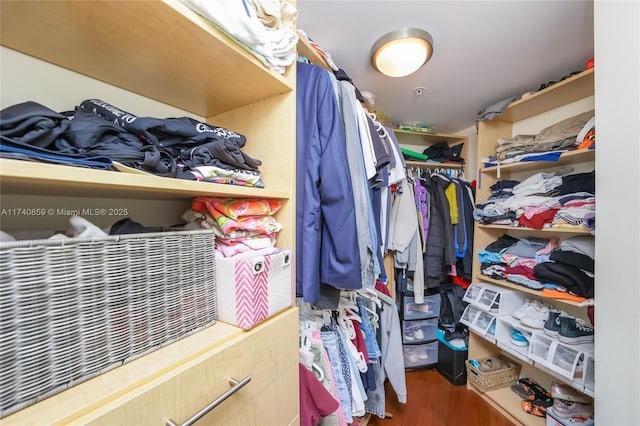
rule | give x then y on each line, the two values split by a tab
484	51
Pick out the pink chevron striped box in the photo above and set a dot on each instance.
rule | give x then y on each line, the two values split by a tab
252	289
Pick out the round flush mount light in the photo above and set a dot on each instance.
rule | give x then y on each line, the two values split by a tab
401	52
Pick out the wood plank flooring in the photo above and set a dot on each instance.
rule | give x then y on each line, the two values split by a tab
433	401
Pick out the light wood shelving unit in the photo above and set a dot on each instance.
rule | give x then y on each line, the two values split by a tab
559	95
164	52
421	140
523	229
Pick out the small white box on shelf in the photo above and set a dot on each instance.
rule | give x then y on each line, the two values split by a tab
480	322
561	358
588	375
252	289
505	327
553	419
494	299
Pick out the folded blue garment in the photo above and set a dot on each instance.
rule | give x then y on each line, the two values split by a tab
21	153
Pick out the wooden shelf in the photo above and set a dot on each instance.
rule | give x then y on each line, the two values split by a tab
544	105
173	61
574	88
527	230
431	137
26	178
505	283
508	402
413	138
433	165
569	157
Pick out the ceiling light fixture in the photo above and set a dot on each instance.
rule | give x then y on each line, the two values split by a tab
401	52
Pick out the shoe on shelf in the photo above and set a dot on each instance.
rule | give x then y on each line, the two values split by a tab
492	364
534	407
418	334
552	325
537	316
409	335
526	392
412	356
568	409
522	310
539	392
422	354
518	339
567	393
574	331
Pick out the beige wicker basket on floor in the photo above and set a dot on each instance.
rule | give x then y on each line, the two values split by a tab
491	380
74	308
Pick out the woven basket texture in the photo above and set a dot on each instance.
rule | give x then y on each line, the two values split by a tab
491	380
72	309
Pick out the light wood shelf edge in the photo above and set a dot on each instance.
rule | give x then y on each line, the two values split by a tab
433	165
532	230
574	88
523	289
432	135
22	177
569	157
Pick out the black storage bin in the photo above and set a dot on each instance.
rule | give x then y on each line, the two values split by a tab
451	362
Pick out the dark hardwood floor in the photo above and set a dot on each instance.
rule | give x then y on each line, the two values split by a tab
433	401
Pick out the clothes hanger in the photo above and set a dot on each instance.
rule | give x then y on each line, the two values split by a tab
374	315
371	294
346	326
319	373
381	296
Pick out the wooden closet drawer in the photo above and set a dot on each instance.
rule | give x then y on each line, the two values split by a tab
152	389
275	406
264	354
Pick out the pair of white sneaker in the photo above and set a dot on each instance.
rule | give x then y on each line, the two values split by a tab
413	334
415	355
533	313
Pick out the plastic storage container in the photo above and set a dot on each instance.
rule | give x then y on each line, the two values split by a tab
419	331
420	355
411	310
451	361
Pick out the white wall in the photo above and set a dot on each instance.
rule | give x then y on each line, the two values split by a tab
617	292
472	150
61	90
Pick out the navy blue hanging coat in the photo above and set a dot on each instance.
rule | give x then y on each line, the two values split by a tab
326	242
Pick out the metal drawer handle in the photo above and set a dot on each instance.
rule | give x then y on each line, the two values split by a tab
236	386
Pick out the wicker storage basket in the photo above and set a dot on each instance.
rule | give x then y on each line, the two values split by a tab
75	308
491	380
